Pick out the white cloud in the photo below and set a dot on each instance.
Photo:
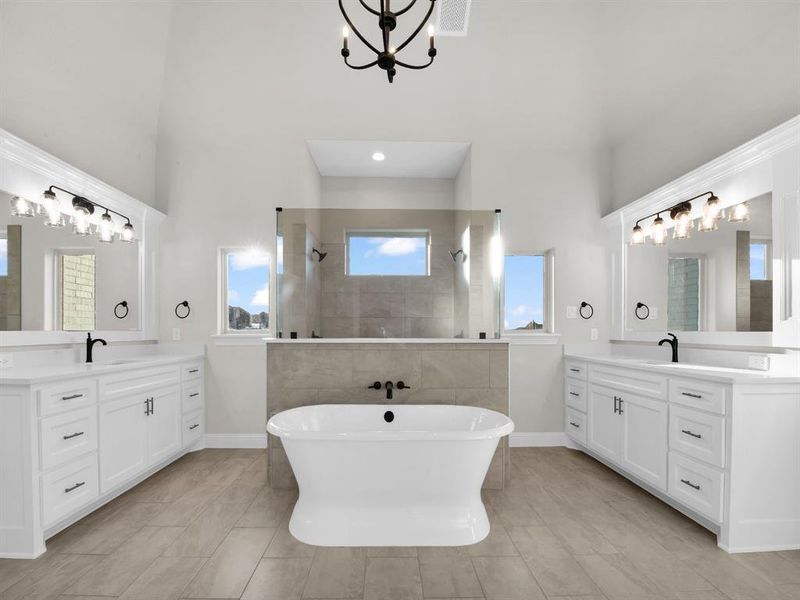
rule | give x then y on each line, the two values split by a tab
233	296
398	246
521	310
261	298
249	259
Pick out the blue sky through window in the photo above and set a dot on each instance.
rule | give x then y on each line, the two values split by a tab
248	280
758	260
524	291
372	254
3	257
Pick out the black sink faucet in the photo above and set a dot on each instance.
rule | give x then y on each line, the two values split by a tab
672	342
389	389
90	344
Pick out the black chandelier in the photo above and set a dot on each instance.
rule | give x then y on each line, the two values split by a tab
387	21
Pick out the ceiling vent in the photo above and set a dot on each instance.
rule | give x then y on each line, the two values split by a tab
452	17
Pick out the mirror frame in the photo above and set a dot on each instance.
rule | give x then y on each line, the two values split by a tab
776	152
26	170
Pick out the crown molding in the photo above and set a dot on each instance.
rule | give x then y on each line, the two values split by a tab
739	159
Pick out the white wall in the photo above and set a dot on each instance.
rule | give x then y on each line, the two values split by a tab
82	80
387	192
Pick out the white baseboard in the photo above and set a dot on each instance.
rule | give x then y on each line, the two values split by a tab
522	439
236	440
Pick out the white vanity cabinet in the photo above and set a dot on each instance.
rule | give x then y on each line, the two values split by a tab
71	445
723	452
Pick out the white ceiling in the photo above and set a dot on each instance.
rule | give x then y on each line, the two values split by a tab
423	160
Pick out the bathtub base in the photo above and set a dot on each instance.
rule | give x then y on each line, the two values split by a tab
389	526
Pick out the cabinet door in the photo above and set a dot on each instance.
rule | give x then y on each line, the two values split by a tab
644	438
605	425
164	424
123	440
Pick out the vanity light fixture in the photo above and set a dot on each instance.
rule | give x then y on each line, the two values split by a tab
739	213
681	216
386	53
53	217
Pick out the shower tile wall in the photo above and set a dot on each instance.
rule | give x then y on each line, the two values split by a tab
306	373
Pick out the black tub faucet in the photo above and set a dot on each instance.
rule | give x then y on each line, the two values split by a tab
90	344
672	342
389	389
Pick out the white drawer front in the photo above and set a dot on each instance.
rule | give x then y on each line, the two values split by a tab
576	425
575	368
133	382
69	488
704	395
696	485
68	395
697	434
192	427
575	394
192	396
191	371
630	380
68	435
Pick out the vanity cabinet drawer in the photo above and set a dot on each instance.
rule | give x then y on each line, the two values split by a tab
69	488
630	380
66	396
575	368
576	425
697	434
191	371
68	435
192	397
575	394
134	382
696	485
694	393
192	428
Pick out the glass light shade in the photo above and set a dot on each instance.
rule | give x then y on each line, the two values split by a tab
637	236
683	226
52	210
658	232
739	213
106	229
20	207
712	209
708	224
127	233
81	223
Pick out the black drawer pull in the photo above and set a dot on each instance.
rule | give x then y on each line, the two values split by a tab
195	426
691	433
73	435
72	397
575	425
193	370
575	370
574	394
690	484
74	487
691	395
194	395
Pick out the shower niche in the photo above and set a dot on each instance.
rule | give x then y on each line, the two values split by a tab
388	273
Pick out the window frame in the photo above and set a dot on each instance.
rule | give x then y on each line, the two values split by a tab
548	331
222	296
388	233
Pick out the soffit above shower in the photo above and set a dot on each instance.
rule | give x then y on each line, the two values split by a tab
419	160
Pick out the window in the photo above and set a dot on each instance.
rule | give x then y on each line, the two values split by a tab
526	295
245	290
76	282
3	256
760	260
388	253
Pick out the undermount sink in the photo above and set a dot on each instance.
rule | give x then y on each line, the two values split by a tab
689	366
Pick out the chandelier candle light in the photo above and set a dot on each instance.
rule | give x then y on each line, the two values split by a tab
82	211
386	59
681	216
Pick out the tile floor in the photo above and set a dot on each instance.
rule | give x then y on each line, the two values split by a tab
566	527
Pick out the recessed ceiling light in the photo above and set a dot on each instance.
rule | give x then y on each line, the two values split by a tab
379	156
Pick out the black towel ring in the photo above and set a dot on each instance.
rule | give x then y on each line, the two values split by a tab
123	304
591	310
185	304
639	306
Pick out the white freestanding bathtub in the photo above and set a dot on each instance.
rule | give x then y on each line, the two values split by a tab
389	475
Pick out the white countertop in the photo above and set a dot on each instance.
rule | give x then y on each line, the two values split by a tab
385	341
708	372
28	375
